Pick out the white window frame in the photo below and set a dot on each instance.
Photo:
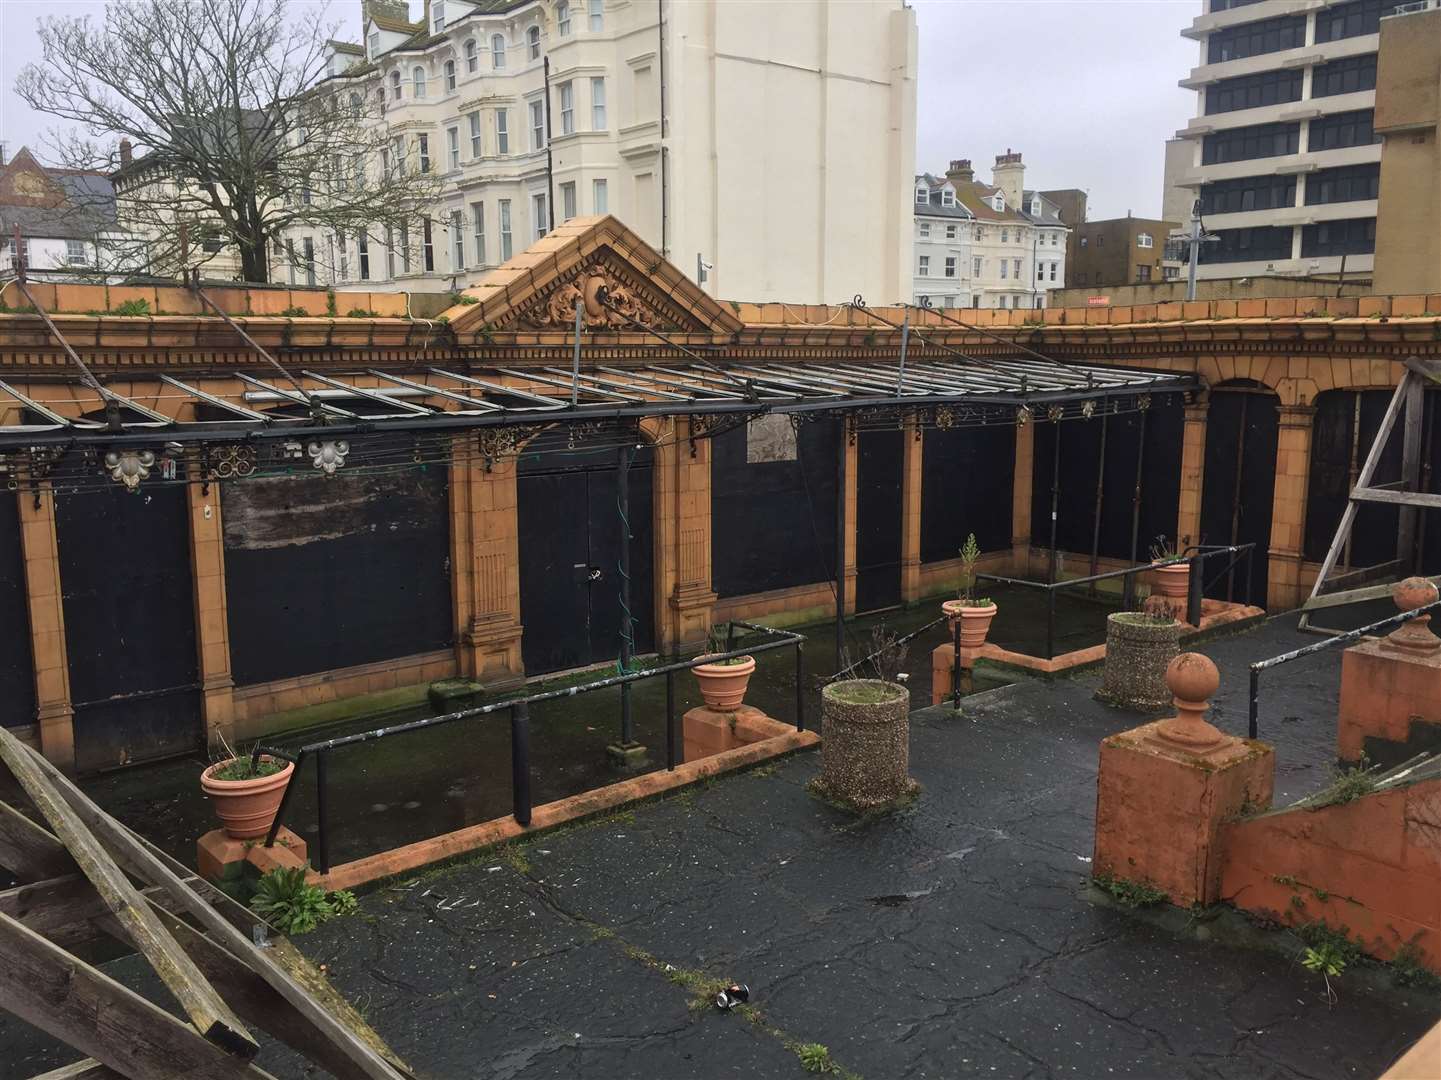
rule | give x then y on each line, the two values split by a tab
1005	236
977	263
562	19
596	9
373	44
532	43
950	267
417	83
599	197
537	125
503	213
567	108
923	266
476	147
502	132
567	200
75	254
472	56
497	51
450	75
452	136
422	152
922	196
924	229
951	232
395	80
1145	240
948	197
597	104
540	215
477	217
457	240
427	245
437	16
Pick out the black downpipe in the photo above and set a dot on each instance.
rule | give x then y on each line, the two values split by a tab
1055	498
1100	500
520	762
1136	495
627	630
840	552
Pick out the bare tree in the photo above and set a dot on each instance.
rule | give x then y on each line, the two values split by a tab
236	128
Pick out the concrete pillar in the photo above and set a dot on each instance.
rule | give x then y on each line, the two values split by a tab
212	635
1021	499
685	599
53	711
911	512
1288	507
1193	468
485	570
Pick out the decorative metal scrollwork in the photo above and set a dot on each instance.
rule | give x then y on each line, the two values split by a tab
328	455
231	461
1054	413
945	417
1023	415
129	467
1088	408
1143	402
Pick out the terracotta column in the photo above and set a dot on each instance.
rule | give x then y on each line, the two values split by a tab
486	567
911	512
1021	498
1288	506
1193	467
683	540
207	571
53	712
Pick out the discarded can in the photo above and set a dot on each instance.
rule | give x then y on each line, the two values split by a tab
733	995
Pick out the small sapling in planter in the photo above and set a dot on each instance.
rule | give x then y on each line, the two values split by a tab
246	790
1172	570
865	730
723	682
975	613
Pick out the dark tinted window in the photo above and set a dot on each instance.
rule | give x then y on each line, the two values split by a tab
1253	39
1347	184
1354	237
1351	20
1227	5
1342	130
1245	143
1344	76
1253	91
1248	193
1263	243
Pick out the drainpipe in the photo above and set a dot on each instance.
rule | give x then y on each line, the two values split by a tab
664	150
549	158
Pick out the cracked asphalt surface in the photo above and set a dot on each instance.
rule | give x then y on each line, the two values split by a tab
952	939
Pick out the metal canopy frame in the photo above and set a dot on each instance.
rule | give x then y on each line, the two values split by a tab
501	395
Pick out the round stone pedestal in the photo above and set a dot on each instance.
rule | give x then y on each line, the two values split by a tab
1138	648
865	743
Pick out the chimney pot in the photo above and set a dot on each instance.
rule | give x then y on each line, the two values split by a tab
127	152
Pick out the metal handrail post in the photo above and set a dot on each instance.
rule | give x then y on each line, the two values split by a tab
1128	592
1050	624
956	665
322	813
670	761
800	687
1193	590
1250	553
520	762
299	760
1255	702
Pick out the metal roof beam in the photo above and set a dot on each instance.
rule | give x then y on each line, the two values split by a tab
473	404
296	397
548	403
369	394
598	397
216	400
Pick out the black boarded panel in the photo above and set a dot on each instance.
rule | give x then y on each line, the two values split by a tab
1076	501
17	679
570	530
1160	467
879	505
129	623
773	523
1239	485
1334	436
966	480
330	572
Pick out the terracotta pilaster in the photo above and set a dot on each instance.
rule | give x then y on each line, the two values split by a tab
53	712
911	513
683	540
486	568
212	635
1021	498
1288	506
1193	466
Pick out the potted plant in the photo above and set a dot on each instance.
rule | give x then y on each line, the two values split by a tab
1139	646
1172	570
975	613
246	791
723	682
865	730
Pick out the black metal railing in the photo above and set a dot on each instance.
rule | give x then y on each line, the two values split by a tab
519	711
1196	555
1350	637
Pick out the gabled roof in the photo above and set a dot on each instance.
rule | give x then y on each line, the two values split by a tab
538	288
56	204
935	207
976	197
346	47
1050	214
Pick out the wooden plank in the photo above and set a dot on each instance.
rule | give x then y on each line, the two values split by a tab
210	1015
59	909
84	1008
1426	368
1399	498
1410	474
89	1069
28	851
360	1046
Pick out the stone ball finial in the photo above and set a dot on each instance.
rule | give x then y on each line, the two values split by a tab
1414	592
1414	635
1193	678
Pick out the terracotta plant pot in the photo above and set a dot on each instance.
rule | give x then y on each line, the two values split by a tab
975	621
1173	580
724	685
246	807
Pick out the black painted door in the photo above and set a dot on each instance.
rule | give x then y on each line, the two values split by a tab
879	477
129	624
17	678
1237	490
570	574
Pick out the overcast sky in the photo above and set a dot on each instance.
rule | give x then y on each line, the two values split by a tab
1085	89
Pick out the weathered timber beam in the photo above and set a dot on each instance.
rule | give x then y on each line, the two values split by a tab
1426	367
84	1008
207	1011
1399	498
89	1069
28	851
281	966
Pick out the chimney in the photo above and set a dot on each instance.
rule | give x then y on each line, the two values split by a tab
1009	175
127	152
960	171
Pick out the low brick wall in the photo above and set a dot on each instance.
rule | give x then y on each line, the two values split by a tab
1372	866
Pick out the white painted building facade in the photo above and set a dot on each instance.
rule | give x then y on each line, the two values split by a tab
773	142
